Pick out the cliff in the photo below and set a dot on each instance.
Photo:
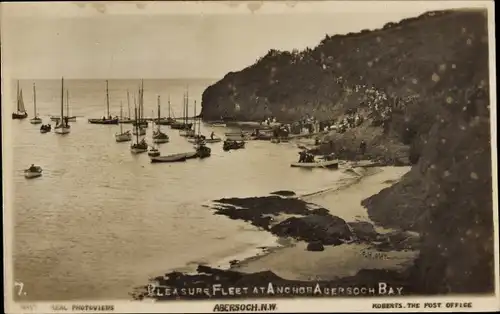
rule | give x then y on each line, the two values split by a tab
432	73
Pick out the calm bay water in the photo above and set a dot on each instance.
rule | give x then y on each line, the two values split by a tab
101	220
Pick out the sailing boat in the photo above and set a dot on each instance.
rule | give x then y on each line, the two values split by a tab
68	118
158	135
181	125
62	126
129	118
21	112
122	136
143	123
165	121
187	131
139	146
108	119
153	150
138	126
36	119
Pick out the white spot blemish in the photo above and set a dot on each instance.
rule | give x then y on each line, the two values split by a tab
469	42
442	67
443	140
449	100
414	81
474	176
453	66
435	77
446	174
369	63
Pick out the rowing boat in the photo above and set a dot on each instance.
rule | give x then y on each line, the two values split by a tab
329	164
169	158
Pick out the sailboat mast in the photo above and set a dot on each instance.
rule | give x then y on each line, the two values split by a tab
187	105
18	98
121	117
62	101
107	97
34	99
158	108
142	99
136	127
128	103
67	103
169	106
195	117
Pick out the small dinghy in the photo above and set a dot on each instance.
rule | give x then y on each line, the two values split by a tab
169	158
33	172
45	128
329	164
153	152
202	151
228	145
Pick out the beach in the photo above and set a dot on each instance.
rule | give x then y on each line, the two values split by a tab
294	262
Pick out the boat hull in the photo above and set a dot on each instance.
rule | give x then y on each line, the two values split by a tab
33	172
331	164
32	175
70	119
36	121
167	121
181	126
126	121
206	140
191	155
62	130
169	158
19	116
160	140
186	133
105	121
124	137
134	150
233	146
43	131
154	153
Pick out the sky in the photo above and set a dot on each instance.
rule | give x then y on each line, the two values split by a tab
127	39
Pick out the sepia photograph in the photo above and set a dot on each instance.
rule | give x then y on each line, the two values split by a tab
249	156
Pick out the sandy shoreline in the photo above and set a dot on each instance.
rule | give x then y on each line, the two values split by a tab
292	261
352	251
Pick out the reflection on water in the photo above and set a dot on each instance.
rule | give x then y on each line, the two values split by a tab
101	220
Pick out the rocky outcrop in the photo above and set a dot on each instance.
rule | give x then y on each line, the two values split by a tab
303	221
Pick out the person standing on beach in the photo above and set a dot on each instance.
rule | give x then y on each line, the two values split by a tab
362	147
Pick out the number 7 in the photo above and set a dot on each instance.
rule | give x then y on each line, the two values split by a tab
20	285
